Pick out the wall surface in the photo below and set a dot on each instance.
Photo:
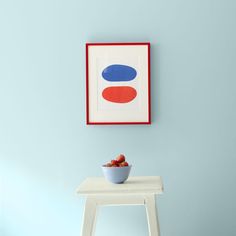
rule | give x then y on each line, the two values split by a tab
46	149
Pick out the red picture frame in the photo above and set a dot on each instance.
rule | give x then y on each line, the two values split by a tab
118	83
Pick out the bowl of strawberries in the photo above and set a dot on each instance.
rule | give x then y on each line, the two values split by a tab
117	171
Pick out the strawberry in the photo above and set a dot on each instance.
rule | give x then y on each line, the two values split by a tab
124	163
114	162
120	158
115	165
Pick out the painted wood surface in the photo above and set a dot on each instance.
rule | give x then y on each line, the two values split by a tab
136	191
136	184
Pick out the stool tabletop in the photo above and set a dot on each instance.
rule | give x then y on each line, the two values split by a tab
134	185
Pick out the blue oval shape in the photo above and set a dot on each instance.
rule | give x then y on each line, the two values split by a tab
117	73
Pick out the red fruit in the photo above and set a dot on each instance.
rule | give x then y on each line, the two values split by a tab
124	163
115	165
120	158
121	164
114	162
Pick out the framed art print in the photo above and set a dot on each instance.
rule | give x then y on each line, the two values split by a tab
118	83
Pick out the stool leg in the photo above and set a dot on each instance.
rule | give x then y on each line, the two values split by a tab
153	226
89	221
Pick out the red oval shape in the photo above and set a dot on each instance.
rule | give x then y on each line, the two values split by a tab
119	94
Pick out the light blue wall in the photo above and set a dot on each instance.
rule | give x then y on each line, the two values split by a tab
46	149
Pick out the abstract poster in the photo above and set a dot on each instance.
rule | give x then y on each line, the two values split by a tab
118	83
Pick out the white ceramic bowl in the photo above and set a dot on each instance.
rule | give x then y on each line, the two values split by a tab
116	175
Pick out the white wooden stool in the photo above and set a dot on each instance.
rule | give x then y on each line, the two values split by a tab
135	191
